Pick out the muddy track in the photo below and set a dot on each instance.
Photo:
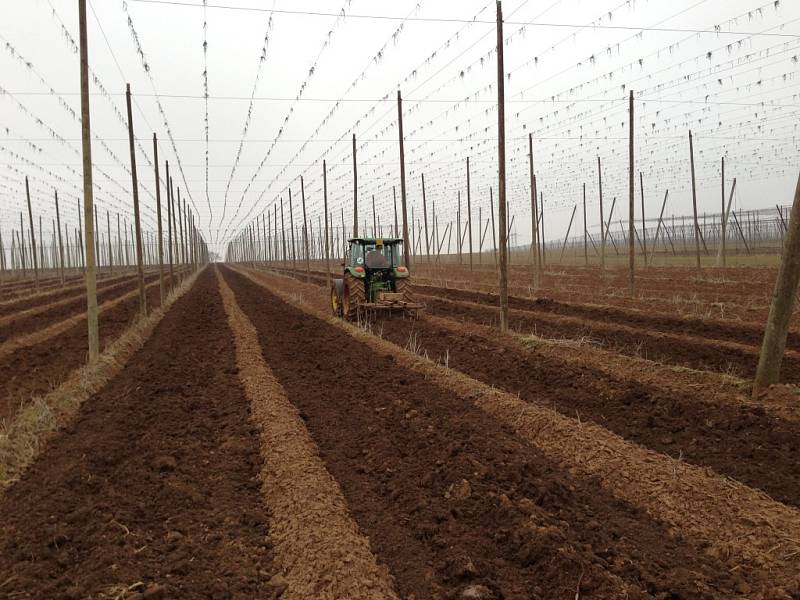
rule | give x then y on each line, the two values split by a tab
154	484
35	370
451	498
39	320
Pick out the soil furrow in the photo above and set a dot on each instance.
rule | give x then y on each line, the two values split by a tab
36	369
153	491
695	353
451	499
733	332
62	310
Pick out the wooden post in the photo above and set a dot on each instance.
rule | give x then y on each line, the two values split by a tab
780	310
110	246
406	248
283	236
501	159
544	239
179	214
534	217
374	222
631	202
169	226
291	231
33	236
425	218
694	203
137	222
469	215
305	228
158	219
721	254
88	201
569	228
602	217
325	208
355	190
60	240
395	231
494	234
585	231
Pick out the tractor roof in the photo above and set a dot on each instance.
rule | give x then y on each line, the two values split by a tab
385	240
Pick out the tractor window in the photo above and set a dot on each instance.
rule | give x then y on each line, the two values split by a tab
356	254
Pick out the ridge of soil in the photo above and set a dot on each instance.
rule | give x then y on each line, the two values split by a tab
451	502
37	369
152	492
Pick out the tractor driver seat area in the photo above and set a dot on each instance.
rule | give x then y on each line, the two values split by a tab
376	260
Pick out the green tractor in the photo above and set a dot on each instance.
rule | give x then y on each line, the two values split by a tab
375	280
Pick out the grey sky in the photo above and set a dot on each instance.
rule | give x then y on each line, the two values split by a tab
565	85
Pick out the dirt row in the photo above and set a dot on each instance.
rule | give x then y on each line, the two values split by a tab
743	333
693	343
453	500
688	351
731	437
74	289
62	309
36	369
152	492
755	281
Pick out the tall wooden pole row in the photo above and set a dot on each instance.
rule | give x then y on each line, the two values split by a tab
406	248
585	231
109	244
137	222
534	218
469	215
305	228
168	181
355	190
501	159
694	203
158	219
33	236
425	219
631	202
325	208
60	240
88	201
602	217
644	223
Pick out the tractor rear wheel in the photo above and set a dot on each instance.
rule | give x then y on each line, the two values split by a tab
354	297
403	286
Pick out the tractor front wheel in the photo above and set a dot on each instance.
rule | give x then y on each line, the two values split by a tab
354	297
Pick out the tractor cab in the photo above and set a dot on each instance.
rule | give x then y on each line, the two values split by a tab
375	278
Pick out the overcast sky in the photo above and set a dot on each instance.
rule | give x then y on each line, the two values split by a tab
324	76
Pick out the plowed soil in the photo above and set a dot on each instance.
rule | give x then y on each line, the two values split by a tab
678	341
449	497
734	439
37	369
154	488
66	310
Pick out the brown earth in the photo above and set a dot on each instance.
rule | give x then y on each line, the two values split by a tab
451	498
733	438
61	311
152	492
35	370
